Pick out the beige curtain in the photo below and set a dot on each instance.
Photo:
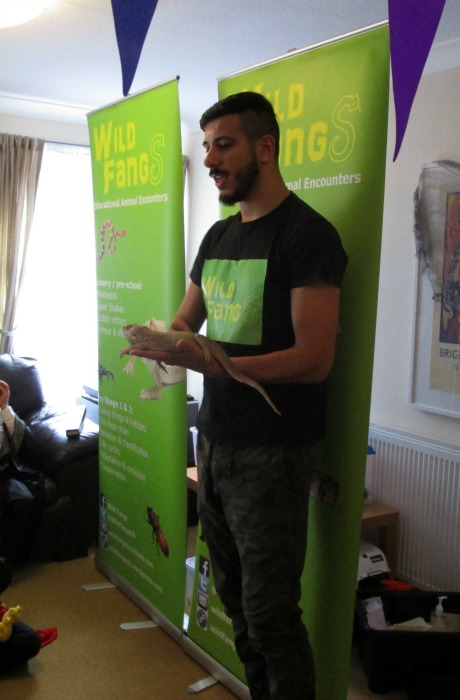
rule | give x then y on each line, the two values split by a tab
20	163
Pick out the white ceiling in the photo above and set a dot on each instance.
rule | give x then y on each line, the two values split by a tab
66	62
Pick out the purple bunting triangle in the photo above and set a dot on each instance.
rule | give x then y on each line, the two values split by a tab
132	21
413	25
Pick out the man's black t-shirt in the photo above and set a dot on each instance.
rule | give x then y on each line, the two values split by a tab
246	272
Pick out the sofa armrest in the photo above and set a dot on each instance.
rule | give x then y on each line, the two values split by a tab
46	441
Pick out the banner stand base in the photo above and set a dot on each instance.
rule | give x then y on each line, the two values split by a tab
97	586
219	673
141	625
202	685
138	599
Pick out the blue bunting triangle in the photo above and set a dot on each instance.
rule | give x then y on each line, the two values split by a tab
413	25
132	21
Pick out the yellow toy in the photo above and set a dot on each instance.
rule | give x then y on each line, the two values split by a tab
10	617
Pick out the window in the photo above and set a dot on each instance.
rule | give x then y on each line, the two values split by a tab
56	322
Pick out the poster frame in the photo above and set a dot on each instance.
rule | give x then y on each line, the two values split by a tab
428	300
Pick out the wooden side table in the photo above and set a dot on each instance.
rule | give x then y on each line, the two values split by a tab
192	478
378	516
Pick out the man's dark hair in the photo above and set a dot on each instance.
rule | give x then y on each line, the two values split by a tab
257	115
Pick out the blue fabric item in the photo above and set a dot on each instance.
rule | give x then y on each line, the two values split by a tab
132	21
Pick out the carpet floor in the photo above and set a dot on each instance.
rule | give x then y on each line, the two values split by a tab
93	657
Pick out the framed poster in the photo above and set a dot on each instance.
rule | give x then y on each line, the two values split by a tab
436	348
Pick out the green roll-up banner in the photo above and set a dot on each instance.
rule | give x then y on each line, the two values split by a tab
332	105
138	211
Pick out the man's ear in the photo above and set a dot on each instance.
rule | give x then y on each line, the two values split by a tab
266	148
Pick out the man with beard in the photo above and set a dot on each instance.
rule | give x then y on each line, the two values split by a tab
267	280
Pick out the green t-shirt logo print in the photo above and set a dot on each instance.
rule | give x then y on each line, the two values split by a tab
233	293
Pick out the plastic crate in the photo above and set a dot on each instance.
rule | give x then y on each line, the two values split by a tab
396	660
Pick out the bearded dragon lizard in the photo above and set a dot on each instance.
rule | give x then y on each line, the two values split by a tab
144	338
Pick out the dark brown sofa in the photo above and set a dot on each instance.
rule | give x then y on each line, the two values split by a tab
68	526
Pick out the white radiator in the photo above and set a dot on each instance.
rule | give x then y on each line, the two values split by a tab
422	480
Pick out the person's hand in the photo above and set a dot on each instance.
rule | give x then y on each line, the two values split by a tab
4	395
188	354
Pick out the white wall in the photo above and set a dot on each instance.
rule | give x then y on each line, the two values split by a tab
201	211
433	134
202	208
50	130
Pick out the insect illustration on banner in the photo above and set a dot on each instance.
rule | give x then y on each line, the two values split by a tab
158	534
104	372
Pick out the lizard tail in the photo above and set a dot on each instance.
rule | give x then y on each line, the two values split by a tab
260	389
211	347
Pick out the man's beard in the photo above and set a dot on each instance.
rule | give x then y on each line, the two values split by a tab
245	179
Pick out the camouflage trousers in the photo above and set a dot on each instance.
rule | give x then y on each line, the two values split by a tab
253	508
